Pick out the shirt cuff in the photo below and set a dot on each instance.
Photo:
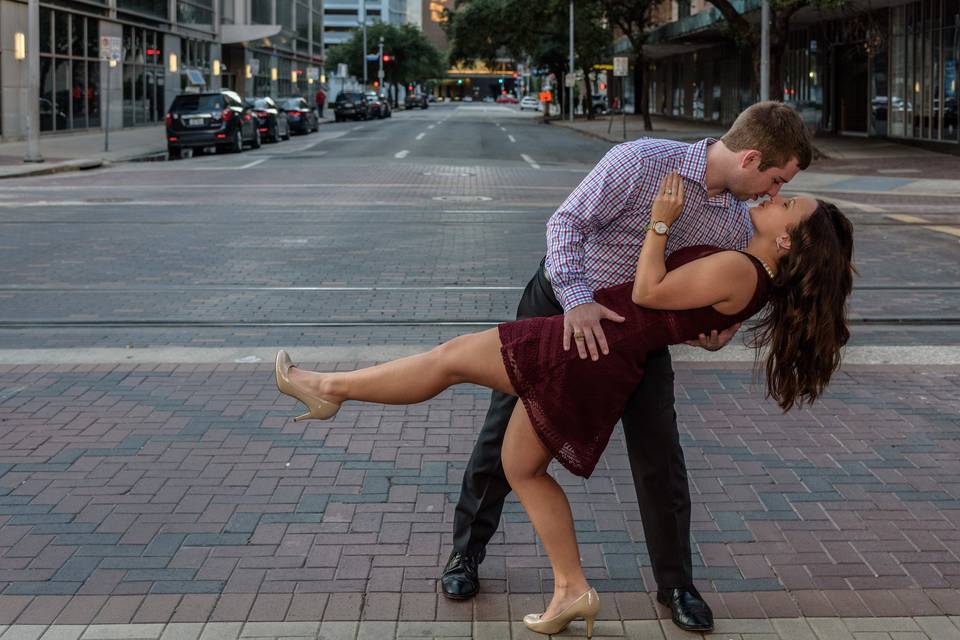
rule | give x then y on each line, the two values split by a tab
574	296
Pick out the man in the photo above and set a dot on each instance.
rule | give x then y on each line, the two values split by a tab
593	241
321	99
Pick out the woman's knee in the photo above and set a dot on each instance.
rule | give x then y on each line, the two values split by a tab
520	469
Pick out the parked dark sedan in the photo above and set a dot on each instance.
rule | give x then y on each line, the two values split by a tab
274	122
218	119
350	105
377	105
301	118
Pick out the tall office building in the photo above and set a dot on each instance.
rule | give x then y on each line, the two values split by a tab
342	16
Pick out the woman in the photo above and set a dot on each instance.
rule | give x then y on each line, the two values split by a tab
797	268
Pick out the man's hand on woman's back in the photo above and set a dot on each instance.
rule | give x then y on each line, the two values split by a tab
581	325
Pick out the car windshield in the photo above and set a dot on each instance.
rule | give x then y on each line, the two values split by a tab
373	96
292	104
263	103
197	102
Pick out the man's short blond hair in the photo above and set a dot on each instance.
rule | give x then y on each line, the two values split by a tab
773	129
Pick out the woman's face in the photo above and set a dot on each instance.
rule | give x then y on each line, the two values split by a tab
775	216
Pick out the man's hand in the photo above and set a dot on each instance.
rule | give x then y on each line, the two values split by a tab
582	326
715	341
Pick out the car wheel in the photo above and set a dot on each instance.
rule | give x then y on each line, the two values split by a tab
173	152
237	145
257	140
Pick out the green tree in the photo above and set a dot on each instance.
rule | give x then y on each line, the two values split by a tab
413	58
487	30
632	18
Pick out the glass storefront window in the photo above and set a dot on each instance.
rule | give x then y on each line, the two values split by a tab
143	73
65	78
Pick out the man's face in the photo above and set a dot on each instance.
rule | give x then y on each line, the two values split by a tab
752	184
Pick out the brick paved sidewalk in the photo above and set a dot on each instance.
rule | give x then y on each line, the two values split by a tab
155	494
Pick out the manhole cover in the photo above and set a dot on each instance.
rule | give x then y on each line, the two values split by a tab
107	200
462	198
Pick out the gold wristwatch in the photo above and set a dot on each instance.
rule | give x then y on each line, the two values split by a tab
659	227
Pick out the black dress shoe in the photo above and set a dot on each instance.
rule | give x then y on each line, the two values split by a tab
460	579
688	609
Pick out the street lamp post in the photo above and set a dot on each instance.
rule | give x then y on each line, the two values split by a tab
363	25
765	50
33	83
572	72
380	57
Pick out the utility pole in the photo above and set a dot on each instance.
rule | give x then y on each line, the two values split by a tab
573	75
380	57
363	23
33	82
765	50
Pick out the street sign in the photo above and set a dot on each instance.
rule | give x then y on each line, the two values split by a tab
603	67
621	66
373	57
254	66
342	70
111	48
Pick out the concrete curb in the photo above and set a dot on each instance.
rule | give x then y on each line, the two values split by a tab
81	164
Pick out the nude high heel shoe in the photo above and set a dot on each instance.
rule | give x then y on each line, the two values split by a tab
318	408
586	606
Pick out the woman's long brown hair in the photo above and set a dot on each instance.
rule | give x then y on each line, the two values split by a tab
804	325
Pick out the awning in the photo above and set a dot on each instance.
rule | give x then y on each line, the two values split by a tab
231	33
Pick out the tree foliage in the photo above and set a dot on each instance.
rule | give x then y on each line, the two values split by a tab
413	58
538	30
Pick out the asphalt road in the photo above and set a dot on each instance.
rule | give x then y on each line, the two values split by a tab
400	231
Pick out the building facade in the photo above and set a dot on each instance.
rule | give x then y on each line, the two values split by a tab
253	46
888	72
341	17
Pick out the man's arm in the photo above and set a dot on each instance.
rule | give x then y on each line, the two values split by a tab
603	195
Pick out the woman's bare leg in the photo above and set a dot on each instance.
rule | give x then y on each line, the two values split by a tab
525	462
473	358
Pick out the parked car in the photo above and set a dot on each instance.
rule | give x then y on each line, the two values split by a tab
300	116
600	104
377	106
415	101
529	102
274	122
506	98
209	119
350	105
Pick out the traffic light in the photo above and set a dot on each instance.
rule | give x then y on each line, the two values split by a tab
387	58
500	80
376	84
603	86
459	80
409	87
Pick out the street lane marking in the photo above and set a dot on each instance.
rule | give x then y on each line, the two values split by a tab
252	164
530	161
938	228
420	136
512	139
401	154
871	356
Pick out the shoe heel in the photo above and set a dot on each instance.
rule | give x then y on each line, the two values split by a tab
305	416
589	627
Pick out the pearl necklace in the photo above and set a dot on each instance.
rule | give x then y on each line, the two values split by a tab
768	269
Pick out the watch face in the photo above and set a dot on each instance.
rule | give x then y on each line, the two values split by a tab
660	227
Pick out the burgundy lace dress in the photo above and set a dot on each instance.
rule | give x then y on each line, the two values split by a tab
574	404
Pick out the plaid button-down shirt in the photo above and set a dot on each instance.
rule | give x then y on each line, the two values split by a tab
595	237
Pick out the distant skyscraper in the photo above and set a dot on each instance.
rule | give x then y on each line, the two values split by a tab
433	18
342	16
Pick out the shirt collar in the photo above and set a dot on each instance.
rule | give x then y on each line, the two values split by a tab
694	168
